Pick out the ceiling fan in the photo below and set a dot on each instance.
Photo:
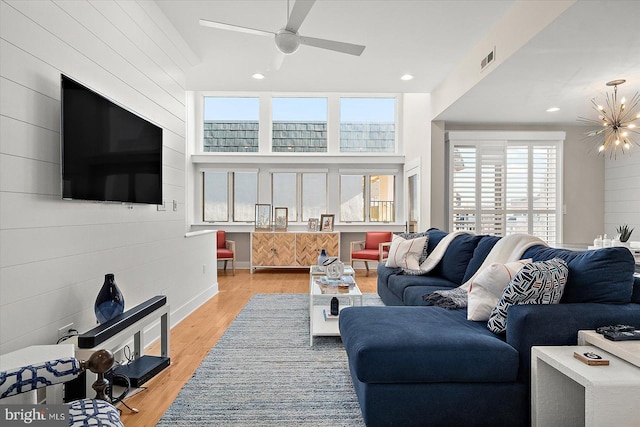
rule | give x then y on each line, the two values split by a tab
287	38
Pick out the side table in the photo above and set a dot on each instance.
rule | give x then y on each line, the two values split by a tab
567	392
318	324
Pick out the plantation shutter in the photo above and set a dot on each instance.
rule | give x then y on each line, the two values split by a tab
503	187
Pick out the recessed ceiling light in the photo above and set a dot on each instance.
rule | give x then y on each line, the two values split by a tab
553	109
258	76
406	77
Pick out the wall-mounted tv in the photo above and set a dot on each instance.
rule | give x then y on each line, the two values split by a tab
108	153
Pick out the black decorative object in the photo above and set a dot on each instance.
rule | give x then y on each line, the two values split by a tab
110	301
335	306
322	257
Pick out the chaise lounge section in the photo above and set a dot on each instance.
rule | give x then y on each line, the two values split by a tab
413	364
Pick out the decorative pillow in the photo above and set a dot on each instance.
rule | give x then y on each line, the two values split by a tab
405	253
536	283
425	250
487	287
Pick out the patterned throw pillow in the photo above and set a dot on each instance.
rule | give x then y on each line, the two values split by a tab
485	290
405	253
409	236
536	283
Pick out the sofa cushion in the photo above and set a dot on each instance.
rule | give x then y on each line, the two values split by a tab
456	259
486	289
398	283
479	254
423	344
603	275
435	236
406	253
384	272
540	282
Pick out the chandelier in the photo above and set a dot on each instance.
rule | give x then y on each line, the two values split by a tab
615	122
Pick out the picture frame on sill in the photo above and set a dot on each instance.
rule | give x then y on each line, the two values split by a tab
326	222
280	218
312	226
263	217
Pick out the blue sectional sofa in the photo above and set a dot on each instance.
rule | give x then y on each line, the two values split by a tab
413	364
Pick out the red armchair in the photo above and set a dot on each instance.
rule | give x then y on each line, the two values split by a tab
226	250
375	247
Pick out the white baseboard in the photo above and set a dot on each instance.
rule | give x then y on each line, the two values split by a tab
181	313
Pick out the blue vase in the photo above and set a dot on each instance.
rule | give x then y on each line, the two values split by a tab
322	257
110	301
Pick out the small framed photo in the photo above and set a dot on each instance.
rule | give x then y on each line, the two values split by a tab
263	216
280	218
326	222
312	225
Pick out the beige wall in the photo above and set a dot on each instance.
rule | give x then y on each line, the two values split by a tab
583	184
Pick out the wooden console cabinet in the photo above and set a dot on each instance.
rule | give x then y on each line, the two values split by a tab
291	249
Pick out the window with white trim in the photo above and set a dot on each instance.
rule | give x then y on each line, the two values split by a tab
304	192
377	190
229	195
299	125
367	125
505	187
231	124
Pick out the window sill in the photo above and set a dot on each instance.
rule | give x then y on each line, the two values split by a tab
343	228
298	158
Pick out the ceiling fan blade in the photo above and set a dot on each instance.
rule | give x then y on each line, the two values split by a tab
223	26
351	49
299	12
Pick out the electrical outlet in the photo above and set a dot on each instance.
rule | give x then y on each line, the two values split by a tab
65	330
175	205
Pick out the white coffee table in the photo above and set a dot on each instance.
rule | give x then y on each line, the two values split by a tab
319	305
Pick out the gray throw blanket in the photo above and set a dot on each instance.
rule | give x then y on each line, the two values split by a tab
450	299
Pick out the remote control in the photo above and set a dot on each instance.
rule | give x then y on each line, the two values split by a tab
622	336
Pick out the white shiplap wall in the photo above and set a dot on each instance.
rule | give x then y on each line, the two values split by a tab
54	253
622	193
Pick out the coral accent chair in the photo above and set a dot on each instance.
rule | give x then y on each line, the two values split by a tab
226	250
375	247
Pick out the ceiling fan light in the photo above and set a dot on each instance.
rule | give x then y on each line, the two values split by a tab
287	42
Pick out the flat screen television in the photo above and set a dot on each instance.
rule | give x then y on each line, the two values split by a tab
109	154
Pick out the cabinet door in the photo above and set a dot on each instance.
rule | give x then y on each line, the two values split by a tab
284	245
262	249
330	242
307	250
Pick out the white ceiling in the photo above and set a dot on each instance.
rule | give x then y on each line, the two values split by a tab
565	65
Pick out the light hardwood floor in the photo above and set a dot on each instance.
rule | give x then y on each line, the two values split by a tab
192	339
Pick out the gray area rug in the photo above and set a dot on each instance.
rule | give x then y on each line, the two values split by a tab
262	372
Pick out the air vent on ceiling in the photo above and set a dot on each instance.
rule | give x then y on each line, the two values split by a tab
488	59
